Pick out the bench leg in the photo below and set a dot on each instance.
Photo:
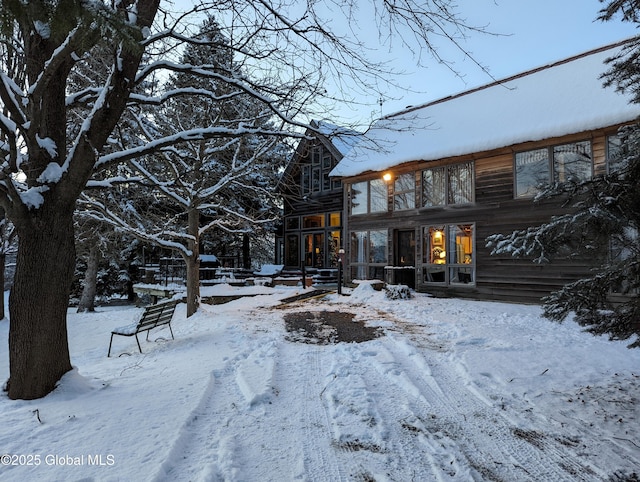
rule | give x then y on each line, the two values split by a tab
110	342
139	347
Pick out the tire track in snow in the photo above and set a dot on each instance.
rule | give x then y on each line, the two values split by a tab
367	414
304	364
448	415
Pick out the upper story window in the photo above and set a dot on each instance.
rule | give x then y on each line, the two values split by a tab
562	163
448	185
368	196
314	176
616	152
404	192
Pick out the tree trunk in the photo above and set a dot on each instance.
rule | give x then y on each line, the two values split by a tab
87	299
193	263
193	284
3	262
38	345
246	251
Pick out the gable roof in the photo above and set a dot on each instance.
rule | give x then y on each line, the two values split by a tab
558	99
340	138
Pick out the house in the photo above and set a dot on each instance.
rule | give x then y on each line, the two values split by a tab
312	230
425	187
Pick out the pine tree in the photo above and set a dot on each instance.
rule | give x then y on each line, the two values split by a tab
603	222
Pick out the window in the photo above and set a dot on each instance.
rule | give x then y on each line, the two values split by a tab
616	152
404	192
624	247
449	254
448	185
434	189
305	182
368	197
313	221
572	162
532	171
292	222
335	244
334	219
368	254
540	167
291	250
314	250
314	176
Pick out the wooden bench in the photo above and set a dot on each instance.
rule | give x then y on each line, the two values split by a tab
153	317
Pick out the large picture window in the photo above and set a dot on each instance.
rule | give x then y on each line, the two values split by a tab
449	254
368	254
537	168
368	197
448	185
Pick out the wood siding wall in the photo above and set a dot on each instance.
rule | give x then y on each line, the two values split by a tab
500	278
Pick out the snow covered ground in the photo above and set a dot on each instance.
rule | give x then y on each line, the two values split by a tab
449	390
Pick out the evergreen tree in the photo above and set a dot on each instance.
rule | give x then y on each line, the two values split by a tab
602	223
602	226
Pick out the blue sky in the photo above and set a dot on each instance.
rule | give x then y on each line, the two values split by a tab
533	33
538	32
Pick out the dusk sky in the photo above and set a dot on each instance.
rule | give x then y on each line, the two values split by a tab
537	32
531	34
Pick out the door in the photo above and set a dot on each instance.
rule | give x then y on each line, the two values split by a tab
405	257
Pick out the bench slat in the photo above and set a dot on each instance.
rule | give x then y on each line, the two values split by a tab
153	316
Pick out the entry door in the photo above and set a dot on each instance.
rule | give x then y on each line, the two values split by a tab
314	250
405	252
405	256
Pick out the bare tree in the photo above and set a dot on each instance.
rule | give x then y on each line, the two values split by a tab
57	137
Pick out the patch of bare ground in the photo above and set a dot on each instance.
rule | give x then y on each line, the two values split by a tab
328	327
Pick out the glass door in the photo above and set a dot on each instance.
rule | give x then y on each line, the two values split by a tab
314	250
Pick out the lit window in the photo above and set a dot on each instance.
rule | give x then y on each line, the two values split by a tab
449	254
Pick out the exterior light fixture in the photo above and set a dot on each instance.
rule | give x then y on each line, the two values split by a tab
386	176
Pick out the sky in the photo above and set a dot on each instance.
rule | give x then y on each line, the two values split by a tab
532	34
528	34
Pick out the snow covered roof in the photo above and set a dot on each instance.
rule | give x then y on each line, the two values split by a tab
558	99
341	138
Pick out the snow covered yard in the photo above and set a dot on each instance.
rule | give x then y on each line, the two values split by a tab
445	390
